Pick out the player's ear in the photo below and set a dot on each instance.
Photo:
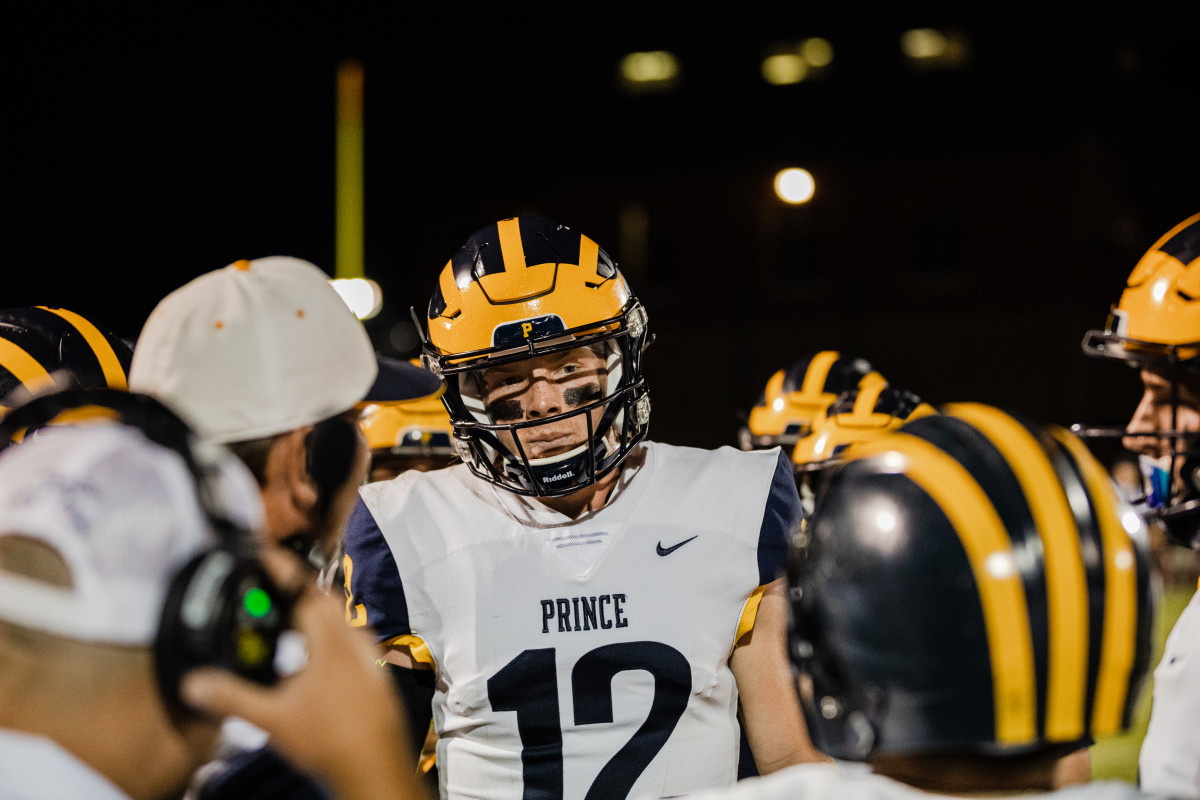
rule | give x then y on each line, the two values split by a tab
289	490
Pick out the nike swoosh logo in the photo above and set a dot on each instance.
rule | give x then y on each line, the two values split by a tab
666	551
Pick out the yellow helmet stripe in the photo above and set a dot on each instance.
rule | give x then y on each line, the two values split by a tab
990	554
511	248
818	372
1066	581
1117	651
114	373
24	367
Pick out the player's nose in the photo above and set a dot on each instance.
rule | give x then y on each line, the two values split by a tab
1145	420
545	399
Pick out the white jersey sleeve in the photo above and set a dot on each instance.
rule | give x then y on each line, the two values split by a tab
577	655
1169	762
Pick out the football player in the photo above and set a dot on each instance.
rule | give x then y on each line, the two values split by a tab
795	396
585	607
44	347
970	601
1156	329
859	415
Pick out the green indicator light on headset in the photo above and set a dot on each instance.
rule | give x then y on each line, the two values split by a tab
257	603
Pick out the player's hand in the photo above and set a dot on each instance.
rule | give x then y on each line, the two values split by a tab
336	718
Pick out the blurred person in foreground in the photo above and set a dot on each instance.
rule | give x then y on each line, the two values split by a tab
969	603
120	538
1155	328
265	358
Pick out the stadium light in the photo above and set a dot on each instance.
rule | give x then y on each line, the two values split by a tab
362	295
795	185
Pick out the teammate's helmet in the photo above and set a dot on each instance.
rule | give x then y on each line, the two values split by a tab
859	415
795	396
42	347
1156	326
970	583
413	434
524	288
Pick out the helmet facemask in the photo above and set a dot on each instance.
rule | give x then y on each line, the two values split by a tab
602	419
1170	481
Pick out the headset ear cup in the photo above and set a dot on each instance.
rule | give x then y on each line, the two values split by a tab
332	445
221	610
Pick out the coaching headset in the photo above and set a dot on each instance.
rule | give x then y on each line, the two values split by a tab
221	608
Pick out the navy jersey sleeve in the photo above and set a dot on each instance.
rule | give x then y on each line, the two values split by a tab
373	580
782	514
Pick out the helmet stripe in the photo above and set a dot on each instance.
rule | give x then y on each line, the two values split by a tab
24	367
1120	596
114	373
512	250
1183	241
817	373
1066	590
1001	592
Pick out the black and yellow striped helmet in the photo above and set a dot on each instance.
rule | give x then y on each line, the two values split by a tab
521	289
972	582
794	397
42	347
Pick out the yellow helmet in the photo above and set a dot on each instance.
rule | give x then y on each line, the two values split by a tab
520	289
859	415
1157	321
411	434
1156	326
795	396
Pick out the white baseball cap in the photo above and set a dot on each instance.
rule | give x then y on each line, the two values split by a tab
254	349
123	514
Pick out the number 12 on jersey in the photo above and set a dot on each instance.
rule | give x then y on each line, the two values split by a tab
528	685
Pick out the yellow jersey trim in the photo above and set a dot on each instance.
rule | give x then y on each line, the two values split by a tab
749	616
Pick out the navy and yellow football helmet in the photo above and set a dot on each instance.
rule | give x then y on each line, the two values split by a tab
410	434
1156	327
522	289
43	347
794	397
970	583
859	415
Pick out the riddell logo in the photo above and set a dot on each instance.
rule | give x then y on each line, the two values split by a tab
567	474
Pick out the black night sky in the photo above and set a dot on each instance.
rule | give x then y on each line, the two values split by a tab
969	224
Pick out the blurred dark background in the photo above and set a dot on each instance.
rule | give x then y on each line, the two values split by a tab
971	219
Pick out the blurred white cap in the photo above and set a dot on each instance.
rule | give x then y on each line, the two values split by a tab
254	349
124	515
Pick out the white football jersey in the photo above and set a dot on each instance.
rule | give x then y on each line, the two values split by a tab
577	656
1170	756
856	782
